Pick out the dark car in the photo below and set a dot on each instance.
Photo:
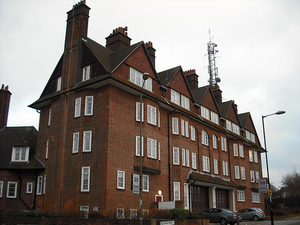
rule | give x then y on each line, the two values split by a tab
252	214
220	215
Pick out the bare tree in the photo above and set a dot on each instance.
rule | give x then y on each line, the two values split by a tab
292	183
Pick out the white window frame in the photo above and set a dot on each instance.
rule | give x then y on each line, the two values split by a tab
252	137
175	127
194	161
136	77
252	176
29	187
159	151
223	144
85	211
47	149
243	173
183	157
18	153
44	187
176	191
175	97
89	105
137	145
121	179
187	156
58	84
255	156
77	110
241	147
255	197
49	116
214	117
182	128
85	178
152	148
87	141
193	133
185	102
204	138
158	118
75	146
216	166
137	114
186	196
206	163
15	190
1	188
186	123
146	183
176	159
250	156
235	128
257	176
241	196
248	135
228	125
86	71
235	149
205	112
39	187
151	115
214	137
225	168
237	172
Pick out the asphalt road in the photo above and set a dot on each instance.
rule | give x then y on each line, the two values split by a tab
290	221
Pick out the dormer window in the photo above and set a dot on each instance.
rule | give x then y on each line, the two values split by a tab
175	97
20	154
86	73
136	77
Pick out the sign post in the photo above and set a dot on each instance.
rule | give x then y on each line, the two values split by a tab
262	186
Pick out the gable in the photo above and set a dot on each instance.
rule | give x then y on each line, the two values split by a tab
232	115
179	84
209	102
250	125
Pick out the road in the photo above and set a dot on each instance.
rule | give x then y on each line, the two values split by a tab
290	221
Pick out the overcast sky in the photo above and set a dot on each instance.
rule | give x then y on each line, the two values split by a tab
258	59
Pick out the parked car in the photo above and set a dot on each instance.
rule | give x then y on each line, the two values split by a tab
220	215
252	214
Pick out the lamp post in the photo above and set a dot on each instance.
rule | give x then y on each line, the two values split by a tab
268	175
145	77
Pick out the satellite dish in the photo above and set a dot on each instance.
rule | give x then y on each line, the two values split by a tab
218	79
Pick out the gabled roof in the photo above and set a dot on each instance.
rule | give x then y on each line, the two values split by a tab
18	136
224	108
199	93
244	118
167	76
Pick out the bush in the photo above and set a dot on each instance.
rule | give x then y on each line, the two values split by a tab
280	213
181	214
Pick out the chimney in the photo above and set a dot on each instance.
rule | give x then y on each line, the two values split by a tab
77	24
4	105
192	78
217	93
118	39
151	51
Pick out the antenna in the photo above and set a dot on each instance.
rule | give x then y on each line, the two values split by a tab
212	69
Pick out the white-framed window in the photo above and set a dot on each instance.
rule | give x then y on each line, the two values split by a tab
186	196
235	128
255	197
235	149
158	118
152	148
187	156
255	157
86	73
214	137
206	164
85	178
151	114
29	188
214	117
133	214
1	188
138	145
241	147
176	191
223	144
183	157
225	168
185	102
182	128
252	137
159	151
216	166
44	187
247	135
121	179
186	123
257	176
250	156
237	172
228	125
204	138
47	149
49	116
252	176
77	110
175	156
146	183
58	84
194	161
175	127
243	173
85	211
89	102
137	114
193	133
136	77
20	154
120	213
12	188
241	196
75	147
205	112
39	187
148	84
87	141
175	97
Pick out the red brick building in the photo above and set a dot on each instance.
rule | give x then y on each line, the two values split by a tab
197	150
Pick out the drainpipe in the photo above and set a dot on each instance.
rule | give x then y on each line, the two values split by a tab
20	188
169	154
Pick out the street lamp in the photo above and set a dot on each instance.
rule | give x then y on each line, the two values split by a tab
268	175
145	77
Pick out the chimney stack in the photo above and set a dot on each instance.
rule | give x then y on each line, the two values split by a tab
4	105
217	93
192	78
151	51
118	39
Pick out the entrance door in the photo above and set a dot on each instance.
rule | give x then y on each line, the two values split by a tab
199	197
222	198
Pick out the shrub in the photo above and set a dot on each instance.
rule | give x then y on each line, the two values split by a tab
280	213
182	214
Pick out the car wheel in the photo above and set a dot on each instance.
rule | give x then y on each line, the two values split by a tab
223	221
255	218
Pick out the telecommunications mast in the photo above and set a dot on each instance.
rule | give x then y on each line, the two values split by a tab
212	69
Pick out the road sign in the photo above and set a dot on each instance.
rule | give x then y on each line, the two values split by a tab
269	192
262	185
